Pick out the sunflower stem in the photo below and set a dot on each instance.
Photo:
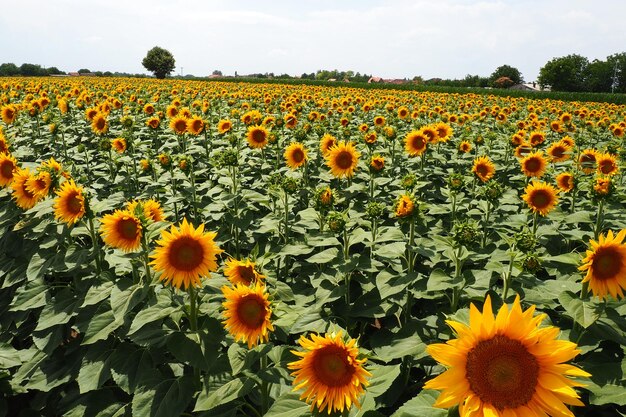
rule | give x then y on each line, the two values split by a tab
507	276
264	387
193	323
599	219
194	197
535	223
487	214
346	254
146	257
96	245
286	207
173	182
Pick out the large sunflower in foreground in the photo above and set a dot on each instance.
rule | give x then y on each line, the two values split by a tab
242	272
121	230
185	254
257	136
330	372
23	197
247	313
415	143
342	159
8	165
9	113
295	155
534	164
607	164
69	205
605	264
506	366
484	168
540	197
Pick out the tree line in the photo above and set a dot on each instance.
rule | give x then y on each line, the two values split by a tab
576	73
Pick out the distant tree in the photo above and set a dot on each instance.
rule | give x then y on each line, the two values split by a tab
503	82
31	70
599	76
107	74
9	69
618	71
98	73
84	71
217	72
159	61
566	73
506	71
54	71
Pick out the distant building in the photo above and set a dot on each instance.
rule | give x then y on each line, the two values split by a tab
528	87
375	80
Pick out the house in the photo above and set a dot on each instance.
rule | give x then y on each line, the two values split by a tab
375	80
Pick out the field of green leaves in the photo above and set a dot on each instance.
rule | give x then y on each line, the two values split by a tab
180	248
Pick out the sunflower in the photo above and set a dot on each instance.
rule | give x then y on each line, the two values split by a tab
326	142
430	133
69	206
558	152
484	168
370	137
242	272
565	181
444	132
151	209
403	112
39	185
290	120
119	144
342	159
195	125
523	149
91	113
178	124
587	160
148	109
534	164
9	113
405	206
99	124
536	138
23	198
153	122
602	186
415	143
185	254
171	111
605	264
506	366
257	137
224	126
8	165
465	146
377	163
247	313
329	370
121	230
379	121
295	155
540	197
607	164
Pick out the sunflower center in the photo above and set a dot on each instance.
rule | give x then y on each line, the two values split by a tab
418	142
533	165
251	311
502	372
606	167
258	136
246	273
540	199
6	169
332	367
607	262
343	160
186	254
297	155
181	125
100	123
74	204
128	228
558	152
482	170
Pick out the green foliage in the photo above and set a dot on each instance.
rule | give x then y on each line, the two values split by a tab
507	71
159	61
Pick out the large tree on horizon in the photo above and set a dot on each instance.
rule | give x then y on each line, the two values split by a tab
159	61
507	71
567	73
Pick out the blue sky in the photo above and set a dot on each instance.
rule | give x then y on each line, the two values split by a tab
388	38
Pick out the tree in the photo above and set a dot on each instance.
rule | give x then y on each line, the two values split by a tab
507	71
599	76
503	82
54	71
217	72
566	73
84	71
32	70
618	71
9	69
159	61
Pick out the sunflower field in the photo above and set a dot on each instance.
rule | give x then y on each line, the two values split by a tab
188	248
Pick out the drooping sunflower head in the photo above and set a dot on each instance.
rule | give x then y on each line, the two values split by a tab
8	165
185	254
506	366
605	264
607	164
224	125
326	142
122	230
342	159
247	313
119	144
295	155
330	372
69	205
257	136
22	196
242	272
483	168
377	163
602	186
565	181
405	206
540	197
534	164
153	122
415	143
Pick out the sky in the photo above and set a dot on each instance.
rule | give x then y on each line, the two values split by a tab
385	38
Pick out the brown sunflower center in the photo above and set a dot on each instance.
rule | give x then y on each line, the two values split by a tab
251	311
533	165
100	123
6	169
128	228
502	372
246	273
180	125
607	262
74	203
186	254
540	199
332	366
418	143
258	136
297	155
606	166
482	169
558	152
344	160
